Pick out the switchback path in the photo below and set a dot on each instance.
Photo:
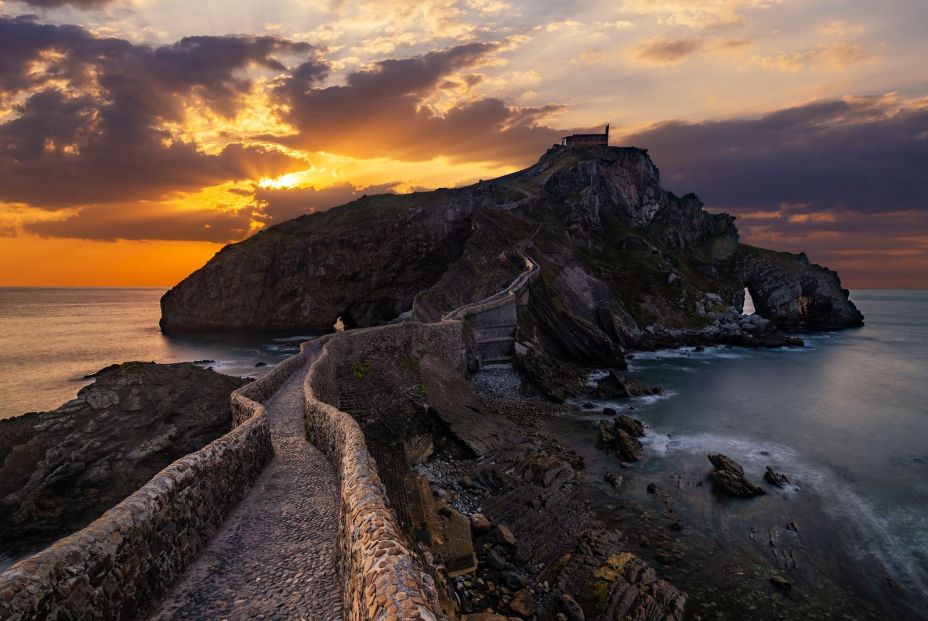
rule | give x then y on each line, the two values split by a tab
274	557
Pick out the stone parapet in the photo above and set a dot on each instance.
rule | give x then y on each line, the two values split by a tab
383	578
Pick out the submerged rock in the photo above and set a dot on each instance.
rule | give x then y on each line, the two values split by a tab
775	478
729	478
62	469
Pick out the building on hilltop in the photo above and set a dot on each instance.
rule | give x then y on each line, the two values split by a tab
587	140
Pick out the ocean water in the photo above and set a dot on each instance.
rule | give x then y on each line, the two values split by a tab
845	418
50	338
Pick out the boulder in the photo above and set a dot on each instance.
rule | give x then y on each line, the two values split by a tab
729	478
522	604
630	449
615	385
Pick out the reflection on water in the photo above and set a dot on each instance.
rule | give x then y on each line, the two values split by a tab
53	337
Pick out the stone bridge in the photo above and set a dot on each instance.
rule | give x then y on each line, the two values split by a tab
262	523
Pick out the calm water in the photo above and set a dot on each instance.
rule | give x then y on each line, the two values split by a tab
51	338
845	418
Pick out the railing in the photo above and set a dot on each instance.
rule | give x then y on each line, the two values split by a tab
499	298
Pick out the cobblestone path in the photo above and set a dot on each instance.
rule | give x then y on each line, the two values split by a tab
274	558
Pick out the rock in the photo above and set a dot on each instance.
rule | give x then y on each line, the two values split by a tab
515	579
630	449
457	548
729	478
260	364
479	523
612	413
652	488
504	535
781	583
613	479
629	425
665	557
607	434
571	608
616	385
62	469
775	478
495	560
522	604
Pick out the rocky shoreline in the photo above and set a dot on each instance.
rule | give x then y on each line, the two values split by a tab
60	470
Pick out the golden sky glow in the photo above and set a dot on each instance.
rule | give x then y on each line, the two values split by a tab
137	136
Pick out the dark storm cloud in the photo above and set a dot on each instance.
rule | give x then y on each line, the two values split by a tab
155	221
378	112
90	128
867	155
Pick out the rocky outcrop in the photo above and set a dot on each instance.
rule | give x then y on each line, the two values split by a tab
74	463
616	385
792	292
729	478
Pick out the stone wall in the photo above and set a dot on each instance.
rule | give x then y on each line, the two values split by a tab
121	564
381	573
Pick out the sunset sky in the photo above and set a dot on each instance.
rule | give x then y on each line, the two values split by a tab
138	136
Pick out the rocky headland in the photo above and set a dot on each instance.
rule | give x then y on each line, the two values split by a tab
624	265
60	470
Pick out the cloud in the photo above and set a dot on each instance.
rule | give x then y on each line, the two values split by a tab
669	50
822	177
286	203
837	54
80	4
378	112
148	221
90	115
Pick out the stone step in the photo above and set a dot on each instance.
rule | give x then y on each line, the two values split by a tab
496	360
496	339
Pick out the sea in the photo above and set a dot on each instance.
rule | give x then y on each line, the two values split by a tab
52	338
845	418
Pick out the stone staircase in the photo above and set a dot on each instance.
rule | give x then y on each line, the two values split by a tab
494	320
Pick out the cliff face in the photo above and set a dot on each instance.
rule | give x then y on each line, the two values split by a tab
624	263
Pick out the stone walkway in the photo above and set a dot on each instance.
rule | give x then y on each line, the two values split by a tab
275	556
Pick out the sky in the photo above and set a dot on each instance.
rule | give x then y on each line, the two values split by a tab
139	136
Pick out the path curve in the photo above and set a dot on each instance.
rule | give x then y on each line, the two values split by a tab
275	556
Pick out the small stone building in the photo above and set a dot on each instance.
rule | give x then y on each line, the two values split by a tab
587	140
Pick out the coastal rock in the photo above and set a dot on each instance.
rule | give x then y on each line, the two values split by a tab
616	385
630	449
729	478
629	425
775	478
64	468
522	604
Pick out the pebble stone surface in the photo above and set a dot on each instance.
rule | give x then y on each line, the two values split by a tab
275	557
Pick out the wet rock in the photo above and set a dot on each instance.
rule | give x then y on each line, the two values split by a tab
629	425
522	604
616	385
612	413
775	478
607	435
630	449
729	478
652	488
613	479
260	364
